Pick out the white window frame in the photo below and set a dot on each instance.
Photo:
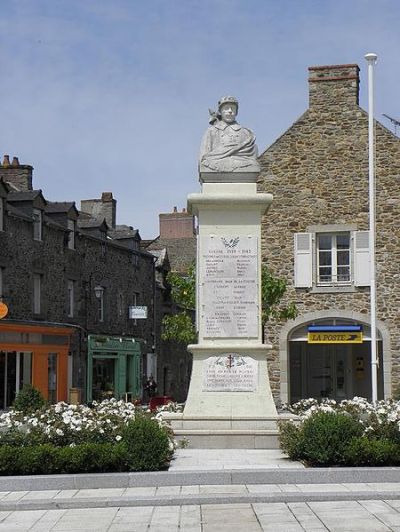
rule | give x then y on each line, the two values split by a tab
37	224
334	259
100	310
71	233
71	297
37	293
306	259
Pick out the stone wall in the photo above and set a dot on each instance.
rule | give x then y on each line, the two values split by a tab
318	174
93	262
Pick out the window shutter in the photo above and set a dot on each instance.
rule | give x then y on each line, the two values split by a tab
303	260
362	271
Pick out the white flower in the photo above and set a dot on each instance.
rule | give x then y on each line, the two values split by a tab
118	438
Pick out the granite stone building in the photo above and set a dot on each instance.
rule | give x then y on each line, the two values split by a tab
316	236
69	279
175	249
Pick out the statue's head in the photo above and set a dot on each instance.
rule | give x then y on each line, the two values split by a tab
227	108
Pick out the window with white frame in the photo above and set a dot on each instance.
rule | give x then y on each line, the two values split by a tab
71	297
100	303
327	258
71	234
37	224
333	258
37	296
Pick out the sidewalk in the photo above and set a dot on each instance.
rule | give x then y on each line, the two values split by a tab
204	491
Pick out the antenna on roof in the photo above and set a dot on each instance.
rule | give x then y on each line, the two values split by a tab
394	122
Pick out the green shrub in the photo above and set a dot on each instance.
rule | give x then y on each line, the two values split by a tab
147	444
48	459
291	439
370	452
321	440
29	399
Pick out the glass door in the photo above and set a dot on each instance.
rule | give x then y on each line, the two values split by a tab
103	378
8	378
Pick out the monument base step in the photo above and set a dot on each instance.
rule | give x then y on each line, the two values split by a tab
227	432
228	439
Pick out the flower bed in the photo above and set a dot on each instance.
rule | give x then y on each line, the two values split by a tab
353	433
107	436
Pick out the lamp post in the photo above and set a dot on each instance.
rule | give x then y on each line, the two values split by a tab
371	60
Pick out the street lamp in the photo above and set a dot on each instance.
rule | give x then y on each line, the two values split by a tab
98	291
371	60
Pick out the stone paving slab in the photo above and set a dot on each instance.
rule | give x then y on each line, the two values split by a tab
69	483
197	495
340	516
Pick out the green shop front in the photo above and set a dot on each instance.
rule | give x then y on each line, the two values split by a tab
114	368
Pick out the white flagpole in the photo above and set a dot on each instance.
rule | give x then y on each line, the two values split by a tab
371	60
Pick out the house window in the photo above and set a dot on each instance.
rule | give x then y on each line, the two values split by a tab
71	297
120	305
99	292
333	259
71	234
37	224
37	288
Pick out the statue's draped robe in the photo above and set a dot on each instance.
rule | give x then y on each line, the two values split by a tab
228	147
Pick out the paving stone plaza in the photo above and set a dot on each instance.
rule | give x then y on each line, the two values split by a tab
206	491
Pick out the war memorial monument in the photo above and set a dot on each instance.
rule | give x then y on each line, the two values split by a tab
229	403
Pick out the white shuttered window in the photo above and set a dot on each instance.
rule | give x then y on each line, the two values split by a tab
331	259
303	260
362	268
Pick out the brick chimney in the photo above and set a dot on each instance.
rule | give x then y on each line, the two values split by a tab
176	224
106	207
18	175
333	86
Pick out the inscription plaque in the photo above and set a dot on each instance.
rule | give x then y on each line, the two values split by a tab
230	372
229	287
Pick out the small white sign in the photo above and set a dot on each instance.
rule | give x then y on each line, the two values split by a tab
137	313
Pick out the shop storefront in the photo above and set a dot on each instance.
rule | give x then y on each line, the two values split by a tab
332	359
114	368
36	355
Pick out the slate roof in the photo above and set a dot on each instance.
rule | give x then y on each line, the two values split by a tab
28	195
59	206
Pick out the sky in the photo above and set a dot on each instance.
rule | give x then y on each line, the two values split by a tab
113	95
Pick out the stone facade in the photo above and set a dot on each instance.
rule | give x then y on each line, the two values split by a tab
317	172
175	249
101	254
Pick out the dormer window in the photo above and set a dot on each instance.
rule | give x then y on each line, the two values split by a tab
71	234
37	224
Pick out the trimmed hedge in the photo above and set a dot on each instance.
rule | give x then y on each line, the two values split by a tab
370	452
147	444
332	438
49	459
144	447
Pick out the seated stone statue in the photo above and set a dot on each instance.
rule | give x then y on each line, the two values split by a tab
227	146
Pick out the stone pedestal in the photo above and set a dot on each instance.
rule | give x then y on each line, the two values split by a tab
229	402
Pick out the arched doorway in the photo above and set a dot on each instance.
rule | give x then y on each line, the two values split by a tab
331	370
